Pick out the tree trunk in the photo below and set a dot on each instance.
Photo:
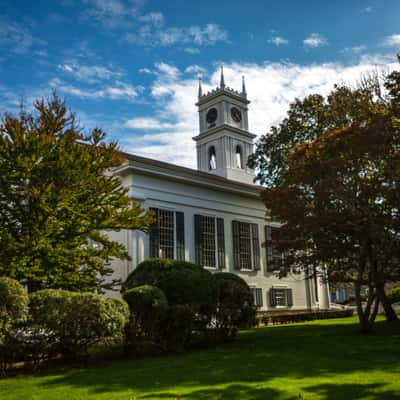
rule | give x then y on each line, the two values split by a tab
363	314
387	306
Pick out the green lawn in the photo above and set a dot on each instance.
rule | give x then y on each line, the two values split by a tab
321	360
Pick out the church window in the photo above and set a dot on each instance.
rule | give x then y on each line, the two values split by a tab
246	246
238	157
167	235
274	256
212	159
280	297
209	241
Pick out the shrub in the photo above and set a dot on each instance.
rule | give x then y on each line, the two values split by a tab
177	328
13	306
13	313
148	306
235	307
191	293
394	295
182	282
75	321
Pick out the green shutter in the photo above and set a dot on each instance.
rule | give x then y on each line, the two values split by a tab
154	236
236	245
221	242
256	246
271	294
289	294
259	299
180	235
268	247
197	239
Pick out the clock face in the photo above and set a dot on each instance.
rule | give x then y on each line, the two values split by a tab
236	114
212	115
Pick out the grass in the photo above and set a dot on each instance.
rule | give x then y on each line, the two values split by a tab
326	360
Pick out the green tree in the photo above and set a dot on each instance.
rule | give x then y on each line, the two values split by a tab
331	170
58	199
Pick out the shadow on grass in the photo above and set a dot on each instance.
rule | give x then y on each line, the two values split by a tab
232	392
353	392
314	350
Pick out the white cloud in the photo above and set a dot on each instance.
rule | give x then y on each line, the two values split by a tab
367	9
315	40
89	73
155	18
195	69
112	13
145	71
355	49
271	88
154	34
191	50
148	123
17	38
167	70
392	40
115	91
278	40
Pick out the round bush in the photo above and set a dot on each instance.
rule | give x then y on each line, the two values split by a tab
235	307
144	298
13	306
148	306
76	321
182	282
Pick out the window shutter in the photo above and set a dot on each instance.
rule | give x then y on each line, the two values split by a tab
154	236
256	246
268	247
180	235
221	242
236	245
197	239
259	299
289	294
272	301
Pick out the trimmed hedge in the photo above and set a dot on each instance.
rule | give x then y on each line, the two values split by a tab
271	318
200	304
13	314
13	306
75	321
182	282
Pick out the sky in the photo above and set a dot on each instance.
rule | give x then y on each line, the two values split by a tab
131	67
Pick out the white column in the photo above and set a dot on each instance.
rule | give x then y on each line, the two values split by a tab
323	291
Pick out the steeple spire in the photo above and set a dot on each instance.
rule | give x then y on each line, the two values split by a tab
200	88
243	87
222	84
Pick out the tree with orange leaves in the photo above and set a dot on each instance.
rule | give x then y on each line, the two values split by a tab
338	193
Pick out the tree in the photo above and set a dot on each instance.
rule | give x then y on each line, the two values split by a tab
333	182
58	199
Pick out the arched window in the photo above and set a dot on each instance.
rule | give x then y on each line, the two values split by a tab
212	159
238	157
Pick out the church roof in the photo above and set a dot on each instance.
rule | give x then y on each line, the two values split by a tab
180	174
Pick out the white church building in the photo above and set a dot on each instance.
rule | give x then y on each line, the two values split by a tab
213	216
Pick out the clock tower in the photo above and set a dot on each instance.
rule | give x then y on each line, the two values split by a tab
224	142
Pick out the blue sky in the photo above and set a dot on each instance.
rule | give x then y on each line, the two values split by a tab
130	66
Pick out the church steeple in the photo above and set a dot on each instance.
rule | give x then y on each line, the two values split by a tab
222	81
224	142
200	88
